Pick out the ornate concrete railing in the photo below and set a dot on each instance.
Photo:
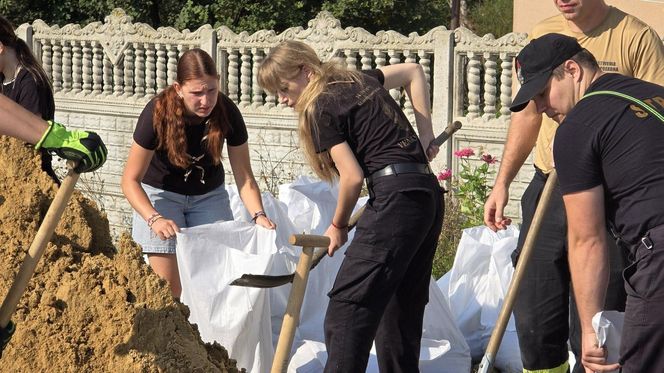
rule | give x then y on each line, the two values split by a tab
104	73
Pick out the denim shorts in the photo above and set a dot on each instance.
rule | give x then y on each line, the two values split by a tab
185	211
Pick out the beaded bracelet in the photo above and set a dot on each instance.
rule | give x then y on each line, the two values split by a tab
257	214
153	218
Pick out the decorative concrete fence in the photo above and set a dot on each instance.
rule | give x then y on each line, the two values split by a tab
104	73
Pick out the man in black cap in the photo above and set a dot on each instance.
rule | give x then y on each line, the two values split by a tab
609	155
544	311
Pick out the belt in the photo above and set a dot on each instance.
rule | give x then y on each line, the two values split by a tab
400	168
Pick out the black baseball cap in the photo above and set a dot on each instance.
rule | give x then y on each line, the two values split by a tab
535	63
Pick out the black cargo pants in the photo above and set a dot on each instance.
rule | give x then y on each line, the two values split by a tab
542	312
382	285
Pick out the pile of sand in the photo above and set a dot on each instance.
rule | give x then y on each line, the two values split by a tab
90	306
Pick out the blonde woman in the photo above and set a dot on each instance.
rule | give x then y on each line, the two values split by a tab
350	130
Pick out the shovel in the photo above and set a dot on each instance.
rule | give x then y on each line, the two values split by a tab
267	281
296	297
313	248
486	365
35	252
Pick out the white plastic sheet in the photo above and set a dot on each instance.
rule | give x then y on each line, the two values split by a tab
247	321
476	287
208	261
608	327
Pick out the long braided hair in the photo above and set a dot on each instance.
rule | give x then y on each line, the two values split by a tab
168	117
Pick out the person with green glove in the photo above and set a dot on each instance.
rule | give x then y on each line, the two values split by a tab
84	147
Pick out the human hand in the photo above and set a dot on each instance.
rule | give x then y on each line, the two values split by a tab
265	222
84	147
432	151
494	208
164	228
593	357
337	236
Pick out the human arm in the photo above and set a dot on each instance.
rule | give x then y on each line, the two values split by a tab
86	148
17	122
137	164
411	77
238	157
351	178
643	50
589	268
521	137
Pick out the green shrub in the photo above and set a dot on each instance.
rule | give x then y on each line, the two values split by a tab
490	17
449	237
464	206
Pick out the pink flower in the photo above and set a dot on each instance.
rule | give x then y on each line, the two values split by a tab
489	159
464	153
444	175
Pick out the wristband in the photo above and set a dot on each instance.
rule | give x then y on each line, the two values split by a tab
153	218
257	214
339	227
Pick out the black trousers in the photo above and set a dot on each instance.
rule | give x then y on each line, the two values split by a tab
642	342
382	285
542	312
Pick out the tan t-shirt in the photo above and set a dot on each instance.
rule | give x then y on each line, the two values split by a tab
621	44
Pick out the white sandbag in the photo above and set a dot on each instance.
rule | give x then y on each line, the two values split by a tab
211	256
476	287
247	320
441	332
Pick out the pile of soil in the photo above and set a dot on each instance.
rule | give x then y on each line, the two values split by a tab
90	306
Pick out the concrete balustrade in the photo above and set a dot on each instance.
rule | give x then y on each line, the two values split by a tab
105	72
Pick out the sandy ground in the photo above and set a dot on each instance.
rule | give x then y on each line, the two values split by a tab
91	306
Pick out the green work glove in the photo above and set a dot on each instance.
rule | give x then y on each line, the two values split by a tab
5	335
84	147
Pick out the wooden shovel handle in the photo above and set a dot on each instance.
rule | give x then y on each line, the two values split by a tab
486	364
37	247
320	243
296	297
449	131
292	315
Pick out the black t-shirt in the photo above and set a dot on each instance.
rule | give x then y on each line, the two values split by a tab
606	140
203	175
37	99
369	120
24	90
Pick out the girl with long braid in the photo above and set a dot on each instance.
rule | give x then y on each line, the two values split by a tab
174	177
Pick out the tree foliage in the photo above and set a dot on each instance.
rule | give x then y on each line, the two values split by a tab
246	15
490	16
253	15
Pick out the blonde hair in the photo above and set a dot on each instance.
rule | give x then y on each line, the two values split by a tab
285	61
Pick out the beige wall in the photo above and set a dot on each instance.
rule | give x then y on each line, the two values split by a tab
528	12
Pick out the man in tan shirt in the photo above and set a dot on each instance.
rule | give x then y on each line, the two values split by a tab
622	44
